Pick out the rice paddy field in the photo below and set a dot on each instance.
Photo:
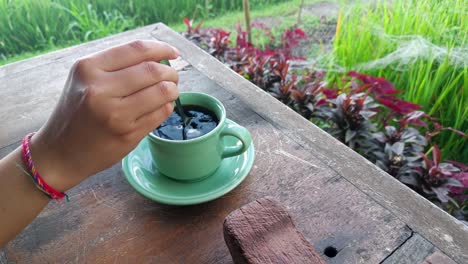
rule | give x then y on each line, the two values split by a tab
420	46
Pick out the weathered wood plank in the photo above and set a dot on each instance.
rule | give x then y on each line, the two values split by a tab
7	149
107	221
263	232
444	231
415	250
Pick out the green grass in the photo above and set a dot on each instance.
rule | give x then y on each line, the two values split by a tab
284	14
419	45
28	27
286	9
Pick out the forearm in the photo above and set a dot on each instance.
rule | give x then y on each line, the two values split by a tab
20	200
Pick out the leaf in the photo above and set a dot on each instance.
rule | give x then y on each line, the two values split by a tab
367	114
188	23
379	155
330	94
88	34
381	165
419	140
462	166
436	155
385	87
197	28
364	78
409	180
397	105
390	130
414	118
388	151
406	107
454	202
462	177
349	135
311	107
398	148
447	167
427	161
418	122
321	102
454	182
417	148
388	103
415	115
380	136
442	193
412	158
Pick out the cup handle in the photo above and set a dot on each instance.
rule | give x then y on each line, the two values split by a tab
240	133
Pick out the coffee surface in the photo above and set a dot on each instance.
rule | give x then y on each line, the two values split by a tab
201	122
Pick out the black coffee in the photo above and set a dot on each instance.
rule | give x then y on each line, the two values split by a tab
201	122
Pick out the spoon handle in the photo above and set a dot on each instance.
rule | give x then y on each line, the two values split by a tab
185	118
180	109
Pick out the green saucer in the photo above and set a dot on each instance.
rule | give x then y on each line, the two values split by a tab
139	169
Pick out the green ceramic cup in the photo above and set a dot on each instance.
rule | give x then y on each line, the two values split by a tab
198	158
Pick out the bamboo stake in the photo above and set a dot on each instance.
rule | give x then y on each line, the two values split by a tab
247	19
300	12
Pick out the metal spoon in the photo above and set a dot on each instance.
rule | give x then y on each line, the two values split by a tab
185	118
179	107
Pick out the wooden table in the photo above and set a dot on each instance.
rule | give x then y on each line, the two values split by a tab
335	196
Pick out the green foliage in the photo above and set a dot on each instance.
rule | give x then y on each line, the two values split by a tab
363	112
420	46
33	25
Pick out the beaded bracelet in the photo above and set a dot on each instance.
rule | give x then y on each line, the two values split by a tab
36	177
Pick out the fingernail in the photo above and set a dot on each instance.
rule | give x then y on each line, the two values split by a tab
176	51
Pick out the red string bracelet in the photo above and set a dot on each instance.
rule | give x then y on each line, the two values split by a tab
38	181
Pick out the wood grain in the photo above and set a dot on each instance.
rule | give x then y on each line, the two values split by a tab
444	231
415	250
262	232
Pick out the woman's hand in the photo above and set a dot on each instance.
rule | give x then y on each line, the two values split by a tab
111	100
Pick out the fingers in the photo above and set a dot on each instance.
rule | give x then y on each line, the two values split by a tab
130	80
151	121
150	99
132	53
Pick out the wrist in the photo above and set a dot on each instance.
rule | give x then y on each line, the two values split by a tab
51	164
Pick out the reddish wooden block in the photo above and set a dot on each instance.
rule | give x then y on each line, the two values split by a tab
438	258
263	232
